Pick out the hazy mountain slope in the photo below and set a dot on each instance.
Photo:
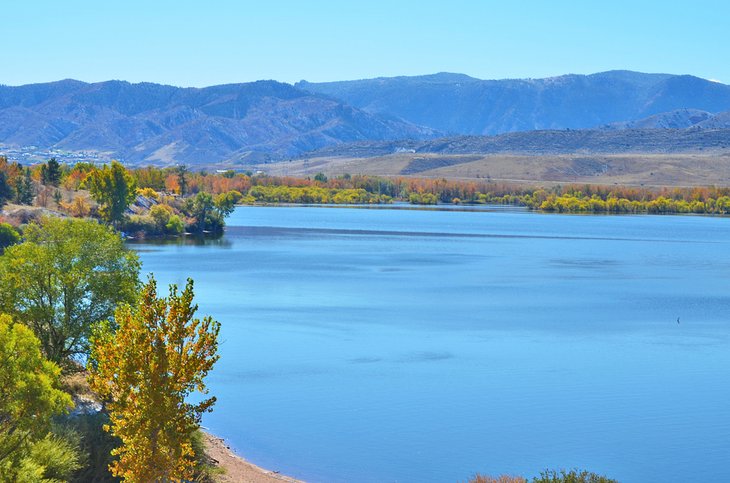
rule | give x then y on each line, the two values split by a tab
157	123
540	143
677	119
718	121
460	104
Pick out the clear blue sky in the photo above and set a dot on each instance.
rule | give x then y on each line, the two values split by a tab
206	42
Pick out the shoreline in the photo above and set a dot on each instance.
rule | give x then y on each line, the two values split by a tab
237	468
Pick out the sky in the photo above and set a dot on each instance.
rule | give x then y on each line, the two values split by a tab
209	42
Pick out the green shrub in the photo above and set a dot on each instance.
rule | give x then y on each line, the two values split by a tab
174	226
52	459
8	236
572	476
141	224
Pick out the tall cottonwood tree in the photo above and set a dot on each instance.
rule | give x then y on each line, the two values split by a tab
114	189
145	370
68	275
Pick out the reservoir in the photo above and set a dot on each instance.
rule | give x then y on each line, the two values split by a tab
415	345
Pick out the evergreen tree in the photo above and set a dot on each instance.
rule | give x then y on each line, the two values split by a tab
6	191
182	180
51	173
24	190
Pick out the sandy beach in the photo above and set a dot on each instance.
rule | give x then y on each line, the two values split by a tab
237	469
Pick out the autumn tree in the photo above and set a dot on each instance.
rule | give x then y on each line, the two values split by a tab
114	189
66	276
150	177
146	370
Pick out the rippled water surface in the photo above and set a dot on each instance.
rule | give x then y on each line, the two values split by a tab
382	345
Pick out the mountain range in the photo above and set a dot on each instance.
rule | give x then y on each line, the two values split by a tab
164	124
459	104
267	120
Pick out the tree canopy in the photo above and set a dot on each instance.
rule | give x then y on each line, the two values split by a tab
114	189
66	276
210	211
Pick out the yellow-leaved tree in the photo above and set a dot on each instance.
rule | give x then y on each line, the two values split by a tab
145	370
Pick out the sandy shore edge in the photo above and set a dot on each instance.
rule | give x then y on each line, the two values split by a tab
237	469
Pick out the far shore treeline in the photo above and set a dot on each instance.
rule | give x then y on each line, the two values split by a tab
153	201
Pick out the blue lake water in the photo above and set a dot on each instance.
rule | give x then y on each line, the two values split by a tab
384	345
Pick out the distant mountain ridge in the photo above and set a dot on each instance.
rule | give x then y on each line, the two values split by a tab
157	123
459	104
269	121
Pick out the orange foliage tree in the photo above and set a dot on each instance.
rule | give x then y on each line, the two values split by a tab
145	371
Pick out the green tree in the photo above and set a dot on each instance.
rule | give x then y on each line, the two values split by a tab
66	276
146	370
209	212
29	397
114	189
51	173
6	191
201	209
182	179
24	190
8	236
225	203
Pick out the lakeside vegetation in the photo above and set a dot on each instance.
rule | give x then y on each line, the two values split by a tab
151	201
547	476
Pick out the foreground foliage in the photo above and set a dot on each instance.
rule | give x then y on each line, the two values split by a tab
158	356
30	396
